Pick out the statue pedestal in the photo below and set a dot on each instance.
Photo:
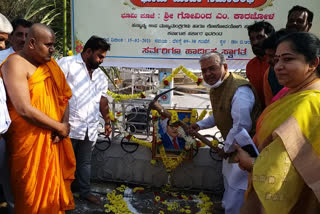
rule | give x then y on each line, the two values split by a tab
114	164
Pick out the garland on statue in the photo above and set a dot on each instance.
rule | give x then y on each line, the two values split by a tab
169	163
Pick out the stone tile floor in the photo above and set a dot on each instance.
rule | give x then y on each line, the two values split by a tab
144	202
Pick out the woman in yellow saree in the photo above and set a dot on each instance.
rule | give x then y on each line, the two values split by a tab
286	175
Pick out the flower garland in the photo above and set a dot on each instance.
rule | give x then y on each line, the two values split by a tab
165	82
169	163
172	163
193	117
127	135
119	97
197	80
202	115
132	138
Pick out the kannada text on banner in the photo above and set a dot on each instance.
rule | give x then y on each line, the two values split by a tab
169	33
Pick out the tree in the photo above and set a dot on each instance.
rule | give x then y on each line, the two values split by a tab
49	12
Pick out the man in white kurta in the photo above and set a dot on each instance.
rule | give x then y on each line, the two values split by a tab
234	112
89	87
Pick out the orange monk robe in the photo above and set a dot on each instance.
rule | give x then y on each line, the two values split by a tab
42	172
255	70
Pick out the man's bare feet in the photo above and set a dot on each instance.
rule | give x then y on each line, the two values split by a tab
93	199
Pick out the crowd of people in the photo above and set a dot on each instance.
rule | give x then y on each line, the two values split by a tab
50	111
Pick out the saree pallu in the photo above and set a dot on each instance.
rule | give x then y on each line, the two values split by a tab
285	177
41	172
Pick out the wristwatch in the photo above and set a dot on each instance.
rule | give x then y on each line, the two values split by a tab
107	124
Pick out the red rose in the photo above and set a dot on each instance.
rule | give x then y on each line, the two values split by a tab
129	137
199	81
159	142
190	198
198	144
166	82
142	95
118	113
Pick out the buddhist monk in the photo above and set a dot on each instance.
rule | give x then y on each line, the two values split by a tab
41	157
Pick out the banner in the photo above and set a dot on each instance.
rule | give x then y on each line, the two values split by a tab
170	33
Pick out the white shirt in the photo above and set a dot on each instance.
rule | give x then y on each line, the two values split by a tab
5	53
86	94
4	115
241	106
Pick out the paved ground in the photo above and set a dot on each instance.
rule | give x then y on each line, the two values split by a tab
145	203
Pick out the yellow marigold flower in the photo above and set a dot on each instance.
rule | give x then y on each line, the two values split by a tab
70	53
188	211
153	162
157	198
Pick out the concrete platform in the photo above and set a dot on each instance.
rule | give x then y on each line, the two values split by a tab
115	164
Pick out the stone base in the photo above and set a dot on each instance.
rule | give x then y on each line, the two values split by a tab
114	164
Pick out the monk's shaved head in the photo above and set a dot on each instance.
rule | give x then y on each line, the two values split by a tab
39	45
39	30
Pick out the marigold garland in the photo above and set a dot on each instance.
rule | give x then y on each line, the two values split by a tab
138	141
197	80
120	97
169	163
202	115
194	114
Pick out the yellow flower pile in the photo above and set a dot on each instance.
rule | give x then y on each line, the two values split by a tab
206	205
120	97
116	202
